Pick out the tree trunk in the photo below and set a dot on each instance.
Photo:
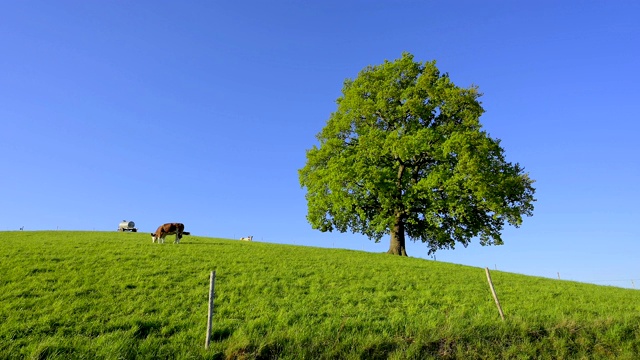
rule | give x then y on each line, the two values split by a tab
397	247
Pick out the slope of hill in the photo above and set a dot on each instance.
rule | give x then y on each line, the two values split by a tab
117	295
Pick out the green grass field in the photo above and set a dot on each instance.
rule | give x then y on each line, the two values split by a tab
110	295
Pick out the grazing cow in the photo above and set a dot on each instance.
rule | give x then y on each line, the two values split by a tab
248	238
168	229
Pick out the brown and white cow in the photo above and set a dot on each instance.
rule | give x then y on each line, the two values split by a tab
168	229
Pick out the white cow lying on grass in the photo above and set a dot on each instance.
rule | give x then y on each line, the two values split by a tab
248	238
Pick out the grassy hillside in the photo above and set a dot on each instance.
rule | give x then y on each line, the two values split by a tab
110	295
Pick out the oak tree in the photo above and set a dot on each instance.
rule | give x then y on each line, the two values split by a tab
405	154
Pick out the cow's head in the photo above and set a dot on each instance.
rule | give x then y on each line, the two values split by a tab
153	237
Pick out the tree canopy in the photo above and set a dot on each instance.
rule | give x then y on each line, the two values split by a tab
405	154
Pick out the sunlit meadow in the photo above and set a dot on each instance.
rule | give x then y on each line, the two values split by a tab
111	295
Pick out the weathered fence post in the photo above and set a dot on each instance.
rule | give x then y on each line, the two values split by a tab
212	283
493	292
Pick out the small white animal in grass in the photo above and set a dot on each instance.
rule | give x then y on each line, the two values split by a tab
248	238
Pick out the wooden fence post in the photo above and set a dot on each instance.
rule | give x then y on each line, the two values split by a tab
212	283
493	292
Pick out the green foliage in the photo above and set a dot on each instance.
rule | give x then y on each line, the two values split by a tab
99	295
405	147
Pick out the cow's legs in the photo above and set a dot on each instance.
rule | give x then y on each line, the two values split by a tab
178	237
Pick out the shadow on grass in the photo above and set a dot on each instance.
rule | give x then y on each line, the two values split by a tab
221	334
378	351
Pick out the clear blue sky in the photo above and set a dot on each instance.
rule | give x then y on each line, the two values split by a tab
201	112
